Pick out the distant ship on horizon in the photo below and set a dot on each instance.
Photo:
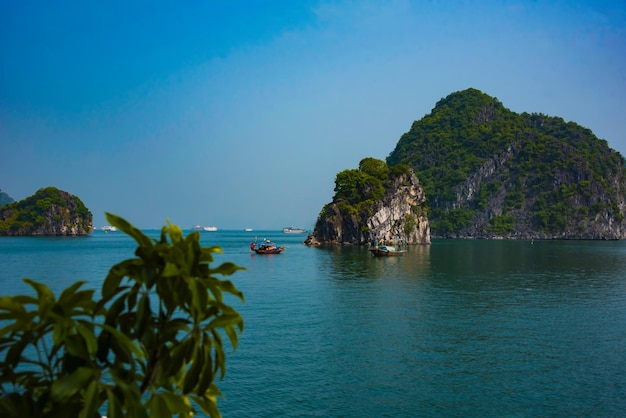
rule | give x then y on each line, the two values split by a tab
204	228
293	230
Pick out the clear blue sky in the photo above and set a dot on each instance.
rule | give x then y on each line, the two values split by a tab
240	113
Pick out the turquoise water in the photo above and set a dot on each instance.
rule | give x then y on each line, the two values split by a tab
459	328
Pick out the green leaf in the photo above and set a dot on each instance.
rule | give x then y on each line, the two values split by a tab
208	374
123	225
227	269
192	375
144	314
228	287
9	329
8	303
208	404
180	354
92	401
70	291
158	407
174	231
15	352
115	310
178	404
124	340
206	255
67	386
75	346
43	291
171	270
199	297
225	320
83	299
114	409
59	333
173	327
89	337
233	336
25	300
112	281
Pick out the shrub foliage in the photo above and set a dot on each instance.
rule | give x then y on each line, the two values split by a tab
151	345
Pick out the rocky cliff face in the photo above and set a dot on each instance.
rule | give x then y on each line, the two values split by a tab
50	212
589	207
400	214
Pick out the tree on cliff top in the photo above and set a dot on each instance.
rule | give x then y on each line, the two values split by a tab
358	189
150	346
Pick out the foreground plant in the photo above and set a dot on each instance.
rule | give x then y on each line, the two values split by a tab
152	345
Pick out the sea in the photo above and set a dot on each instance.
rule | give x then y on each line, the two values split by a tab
458	328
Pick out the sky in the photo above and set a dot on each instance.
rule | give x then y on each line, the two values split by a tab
239	114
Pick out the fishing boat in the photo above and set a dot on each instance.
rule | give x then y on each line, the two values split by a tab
109	228
382	250
293	230
266	247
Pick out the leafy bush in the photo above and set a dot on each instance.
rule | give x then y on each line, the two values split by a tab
150	346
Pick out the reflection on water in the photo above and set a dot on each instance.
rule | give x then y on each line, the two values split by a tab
356	262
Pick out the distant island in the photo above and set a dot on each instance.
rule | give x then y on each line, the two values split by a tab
5	198
49	212
488	172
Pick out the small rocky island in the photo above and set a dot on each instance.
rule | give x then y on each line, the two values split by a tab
372	203
49	212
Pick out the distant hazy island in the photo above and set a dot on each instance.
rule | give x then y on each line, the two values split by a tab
488	172
48	212
5	198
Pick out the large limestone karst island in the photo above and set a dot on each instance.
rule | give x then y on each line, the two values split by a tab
489	172
372	203
49	212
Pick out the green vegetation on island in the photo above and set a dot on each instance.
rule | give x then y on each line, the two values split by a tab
488	171
151	345
356	190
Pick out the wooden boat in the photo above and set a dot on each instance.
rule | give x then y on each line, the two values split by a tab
381	250
267	247
263	250
386	251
